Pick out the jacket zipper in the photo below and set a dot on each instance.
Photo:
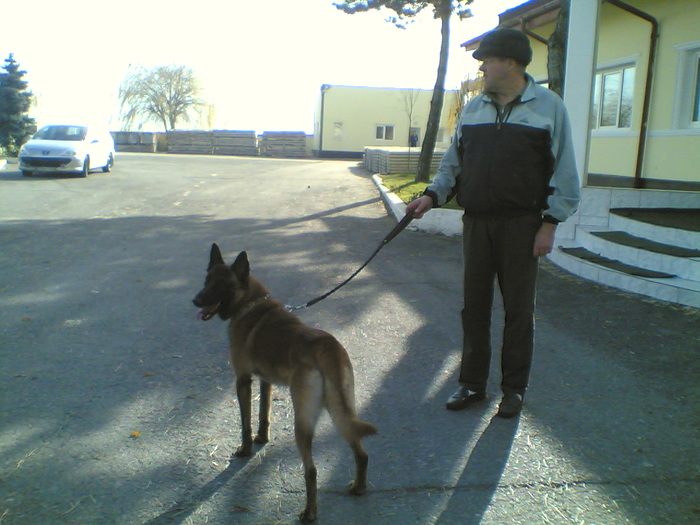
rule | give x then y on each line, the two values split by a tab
502	115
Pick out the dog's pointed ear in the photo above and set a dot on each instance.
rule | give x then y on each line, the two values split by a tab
241	267
215	257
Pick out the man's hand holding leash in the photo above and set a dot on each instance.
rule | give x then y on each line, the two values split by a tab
420	206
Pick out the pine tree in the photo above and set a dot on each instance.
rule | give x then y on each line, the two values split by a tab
15	101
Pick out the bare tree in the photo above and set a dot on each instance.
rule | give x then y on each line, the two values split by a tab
165	94
469	88
409	98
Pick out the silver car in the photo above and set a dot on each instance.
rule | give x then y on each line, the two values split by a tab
67	148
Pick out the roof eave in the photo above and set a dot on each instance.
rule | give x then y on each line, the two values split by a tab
535	13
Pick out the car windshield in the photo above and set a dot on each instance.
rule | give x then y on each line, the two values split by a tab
74	133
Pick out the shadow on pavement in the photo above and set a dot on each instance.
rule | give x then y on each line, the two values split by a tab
117	406
184	508
482	474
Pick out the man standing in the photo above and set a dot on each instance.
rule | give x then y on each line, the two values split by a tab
511	165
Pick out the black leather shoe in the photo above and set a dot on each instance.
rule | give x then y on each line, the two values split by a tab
511	405
464	398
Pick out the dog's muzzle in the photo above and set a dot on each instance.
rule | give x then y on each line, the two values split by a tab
207	312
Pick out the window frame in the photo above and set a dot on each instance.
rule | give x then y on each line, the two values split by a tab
382	135
603	72
695	99
687	96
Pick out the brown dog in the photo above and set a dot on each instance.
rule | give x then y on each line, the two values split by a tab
268	341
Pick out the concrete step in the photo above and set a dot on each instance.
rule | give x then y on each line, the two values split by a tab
617	254
621	219
596	258
641	252
656	229
675	289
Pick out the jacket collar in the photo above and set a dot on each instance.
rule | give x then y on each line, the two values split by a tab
528	94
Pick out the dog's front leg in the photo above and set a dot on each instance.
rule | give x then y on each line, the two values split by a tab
243	389
263	435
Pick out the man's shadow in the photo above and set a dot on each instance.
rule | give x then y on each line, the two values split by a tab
482	475
185	507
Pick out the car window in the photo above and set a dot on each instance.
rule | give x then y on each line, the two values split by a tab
71	133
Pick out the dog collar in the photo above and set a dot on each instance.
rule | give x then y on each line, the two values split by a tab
249	306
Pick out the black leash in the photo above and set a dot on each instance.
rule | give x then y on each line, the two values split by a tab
393	233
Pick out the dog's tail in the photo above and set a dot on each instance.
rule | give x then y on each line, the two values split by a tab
340	402
362	428
341	406
334	365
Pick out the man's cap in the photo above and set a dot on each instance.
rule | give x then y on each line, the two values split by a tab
505	43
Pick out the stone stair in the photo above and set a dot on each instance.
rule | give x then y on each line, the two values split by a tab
640	241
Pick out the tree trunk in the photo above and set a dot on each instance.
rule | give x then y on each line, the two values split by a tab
556	51
431	129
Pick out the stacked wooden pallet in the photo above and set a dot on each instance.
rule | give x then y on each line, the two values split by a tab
397	160
371	160
135	141
283	144
234	143
190	142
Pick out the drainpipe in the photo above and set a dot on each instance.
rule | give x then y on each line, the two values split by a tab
653	42
531	34
324	88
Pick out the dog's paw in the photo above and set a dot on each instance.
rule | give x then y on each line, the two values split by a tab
357	489
243	451
307	516
261	439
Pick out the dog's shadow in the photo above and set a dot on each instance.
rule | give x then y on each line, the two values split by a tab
185	507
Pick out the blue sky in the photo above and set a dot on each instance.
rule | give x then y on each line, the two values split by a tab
260	64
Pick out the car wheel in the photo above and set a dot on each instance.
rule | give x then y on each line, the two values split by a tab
110	162
86	167
26	173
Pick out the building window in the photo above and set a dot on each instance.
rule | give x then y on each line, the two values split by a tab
385	133
686	113
613	98
338	130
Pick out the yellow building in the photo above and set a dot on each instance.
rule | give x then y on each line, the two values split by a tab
350	118
645	121
632	90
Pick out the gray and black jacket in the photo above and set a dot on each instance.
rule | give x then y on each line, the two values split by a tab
516	161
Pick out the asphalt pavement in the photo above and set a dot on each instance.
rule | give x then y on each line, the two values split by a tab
117	405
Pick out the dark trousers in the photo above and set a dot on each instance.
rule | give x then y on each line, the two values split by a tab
499	249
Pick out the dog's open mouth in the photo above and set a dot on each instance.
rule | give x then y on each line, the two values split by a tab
207	313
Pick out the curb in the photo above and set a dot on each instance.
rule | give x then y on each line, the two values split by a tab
443	222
